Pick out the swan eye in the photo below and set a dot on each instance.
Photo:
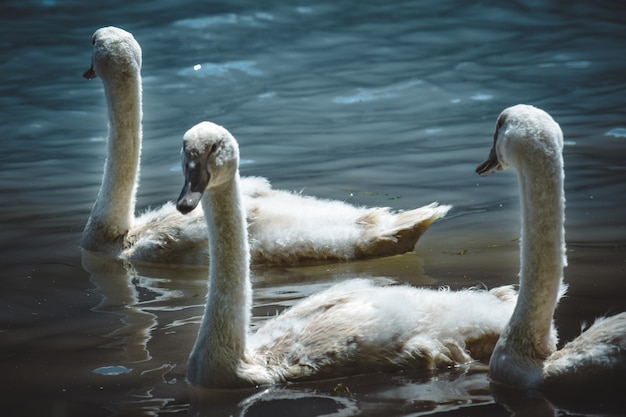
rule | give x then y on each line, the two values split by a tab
213	148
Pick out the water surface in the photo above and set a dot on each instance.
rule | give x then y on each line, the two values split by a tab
376	104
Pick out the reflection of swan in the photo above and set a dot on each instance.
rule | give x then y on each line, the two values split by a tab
351	327
138	301
278	400
529	140
284	227
119	296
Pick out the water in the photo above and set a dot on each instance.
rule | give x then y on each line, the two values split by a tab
377	104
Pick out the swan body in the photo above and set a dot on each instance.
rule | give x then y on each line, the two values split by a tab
353	327
284	227
528	139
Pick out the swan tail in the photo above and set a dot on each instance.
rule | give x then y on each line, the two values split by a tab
598	354
389	233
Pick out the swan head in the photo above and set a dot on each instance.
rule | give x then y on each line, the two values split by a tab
210	159
525	136
116	53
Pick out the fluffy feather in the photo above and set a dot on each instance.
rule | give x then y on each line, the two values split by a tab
285	227
352	327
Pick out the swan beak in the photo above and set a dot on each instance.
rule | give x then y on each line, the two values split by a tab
90	74
490	166
196	180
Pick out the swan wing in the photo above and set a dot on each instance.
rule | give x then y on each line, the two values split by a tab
358	326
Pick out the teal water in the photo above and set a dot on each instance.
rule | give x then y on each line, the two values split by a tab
377	104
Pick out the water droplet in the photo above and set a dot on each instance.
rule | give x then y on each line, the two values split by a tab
112	370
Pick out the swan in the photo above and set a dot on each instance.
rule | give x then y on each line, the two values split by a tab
529	140
352	327
284	227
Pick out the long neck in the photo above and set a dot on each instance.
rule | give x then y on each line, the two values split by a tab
528	334
113	212
221	343
542	254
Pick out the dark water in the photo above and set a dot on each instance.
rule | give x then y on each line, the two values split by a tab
378	104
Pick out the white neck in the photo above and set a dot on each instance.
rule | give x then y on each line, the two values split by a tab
113	212
528	334
221	343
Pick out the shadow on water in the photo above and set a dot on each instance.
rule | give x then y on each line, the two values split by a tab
598	400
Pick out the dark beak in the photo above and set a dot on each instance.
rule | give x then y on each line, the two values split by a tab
90	74
490	166
196	180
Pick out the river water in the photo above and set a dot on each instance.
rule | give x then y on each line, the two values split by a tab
385	104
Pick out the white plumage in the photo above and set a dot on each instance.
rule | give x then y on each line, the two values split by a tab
285	227
529	140
353	327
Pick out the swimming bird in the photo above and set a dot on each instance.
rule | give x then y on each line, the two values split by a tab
529	140
284	227
352	327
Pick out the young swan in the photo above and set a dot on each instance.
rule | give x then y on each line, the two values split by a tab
352	327
284	227
529	140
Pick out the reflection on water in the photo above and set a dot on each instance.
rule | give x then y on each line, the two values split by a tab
120	296
374	395
381	104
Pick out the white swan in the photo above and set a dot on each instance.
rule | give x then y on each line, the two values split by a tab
285	228
529	140
352	327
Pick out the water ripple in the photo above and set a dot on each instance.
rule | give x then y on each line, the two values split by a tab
371	94
618	132
205	22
